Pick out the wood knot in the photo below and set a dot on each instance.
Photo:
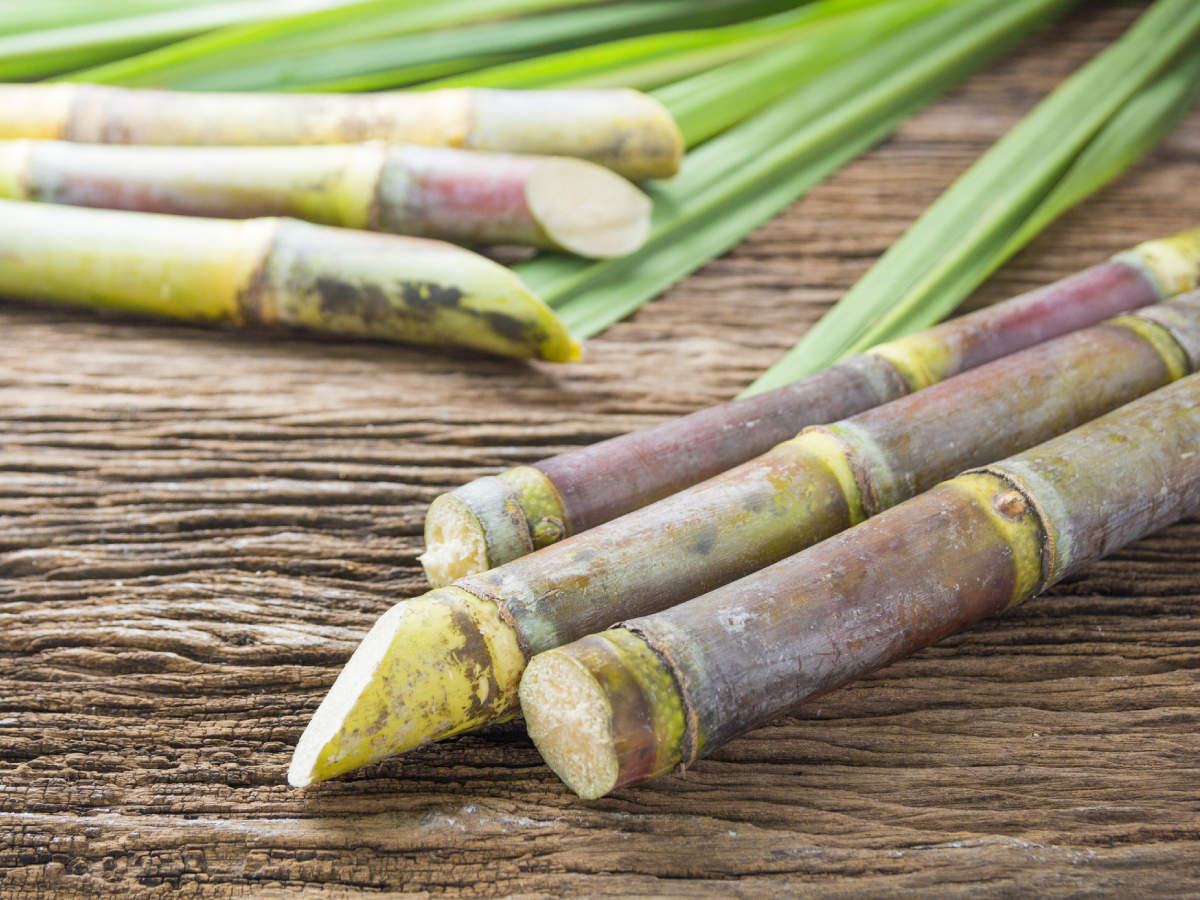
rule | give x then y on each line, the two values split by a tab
1011	504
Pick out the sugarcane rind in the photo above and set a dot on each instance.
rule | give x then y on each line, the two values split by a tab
657	679
486	516
490	521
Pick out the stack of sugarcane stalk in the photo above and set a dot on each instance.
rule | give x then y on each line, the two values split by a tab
820	559
646	599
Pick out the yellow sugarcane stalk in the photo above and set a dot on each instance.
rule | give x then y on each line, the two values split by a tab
274	271
624	130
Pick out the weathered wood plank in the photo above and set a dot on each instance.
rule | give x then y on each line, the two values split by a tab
196	527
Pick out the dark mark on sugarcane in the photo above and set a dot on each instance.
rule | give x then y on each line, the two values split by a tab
474	653
514	329
428	296
366	302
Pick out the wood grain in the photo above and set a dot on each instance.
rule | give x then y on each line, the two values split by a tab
197	526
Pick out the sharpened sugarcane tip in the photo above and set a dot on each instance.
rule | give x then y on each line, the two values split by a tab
429	668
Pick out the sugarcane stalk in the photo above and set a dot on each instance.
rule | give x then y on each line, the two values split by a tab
458	195
659	692
274	271
623	130
496	519
804	490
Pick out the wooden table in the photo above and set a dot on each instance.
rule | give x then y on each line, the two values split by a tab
197	526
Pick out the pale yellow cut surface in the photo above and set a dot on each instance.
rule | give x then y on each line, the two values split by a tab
569	719
455	545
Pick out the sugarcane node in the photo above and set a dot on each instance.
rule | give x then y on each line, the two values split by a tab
1011	504
252	303
689	740
1050	548
549	530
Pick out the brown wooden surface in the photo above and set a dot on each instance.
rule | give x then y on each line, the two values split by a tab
197	527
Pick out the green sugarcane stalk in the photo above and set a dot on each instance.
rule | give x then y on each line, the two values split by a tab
623	130
274	271
496	519
414	680
457	195
660	692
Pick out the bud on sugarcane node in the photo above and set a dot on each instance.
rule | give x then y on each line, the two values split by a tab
659	692
496	519
279	272
624	130
804	490
456	195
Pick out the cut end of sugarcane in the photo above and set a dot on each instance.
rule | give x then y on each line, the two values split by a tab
587	209
622	129
430	668
569	719
455	542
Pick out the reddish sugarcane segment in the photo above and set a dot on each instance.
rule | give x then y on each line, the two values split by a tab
458	195
659	692
621	129
802	491
496	519
274	271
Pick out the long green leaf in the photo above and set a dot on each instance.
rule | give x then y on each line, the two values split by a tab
37	54
651	60
307	32
20	16
370	65
708	103
1136	129
952	248
368	39
734	183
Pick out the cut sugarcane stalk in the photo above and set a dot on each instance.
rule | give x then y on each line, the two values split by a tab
659	692
623	130
414	680
274	272
496	519
456	195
